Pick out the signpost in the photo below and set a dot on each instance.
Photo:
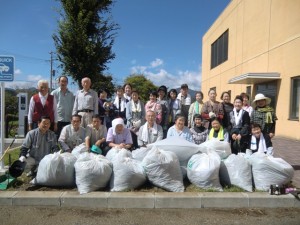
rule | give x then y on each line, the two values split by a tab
7	69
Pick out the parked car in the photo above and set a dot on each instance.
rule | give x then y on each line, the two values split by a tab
3	68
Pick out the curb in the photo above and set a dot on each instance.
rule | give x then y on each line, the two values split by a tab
144	200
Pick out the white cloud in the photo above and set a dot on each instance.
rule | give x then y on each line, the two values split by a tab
156	63
34	77
18	72
163	77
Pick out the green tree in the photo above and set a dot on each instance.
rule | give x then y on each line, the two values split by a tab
143	85
85	38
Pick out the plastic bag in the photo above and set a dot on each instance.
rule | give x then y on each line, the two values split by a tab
79	149
221	147
140	153
203	170
181	147
163	169
114	151
128	173
56	170
268	170
236	170
92	172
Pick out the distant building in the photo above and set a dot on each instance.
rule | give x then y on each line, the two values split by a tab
254	47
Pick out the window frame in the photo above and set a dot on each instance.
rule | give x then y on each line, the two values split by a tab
294	104
219	50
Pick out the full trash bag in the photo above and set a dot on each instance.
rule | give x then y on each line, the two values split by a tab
221	147
79	149
114	151
140	153
128	173
236	170
203	170
56	170
268	170
163	170
181	147
92	172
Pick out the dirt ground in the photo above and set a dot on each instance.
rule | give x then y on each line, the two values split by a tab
65	216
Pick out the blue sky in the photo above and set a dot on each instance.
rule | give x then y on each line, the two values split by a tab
159	38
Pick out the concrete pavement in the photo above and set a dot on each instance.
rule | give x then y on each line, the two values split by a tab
147	200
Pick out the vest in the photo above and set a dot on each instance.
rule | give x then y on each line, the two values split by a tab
40	110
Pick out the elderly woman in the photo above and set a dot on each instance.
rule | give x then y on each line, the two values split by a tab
246	105
217	131
135	115
118	136
260	142
264	115
150	132
179	130
154	106
239	121
195	108
212	108
199	132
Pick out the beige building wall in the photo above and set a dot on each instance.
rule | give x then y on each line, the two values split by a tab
264	37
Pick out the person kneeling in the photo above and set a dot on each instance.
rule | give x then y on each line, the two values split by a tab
260	142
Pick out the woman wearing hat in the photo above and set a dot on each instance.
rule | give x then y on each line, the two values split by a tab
264	115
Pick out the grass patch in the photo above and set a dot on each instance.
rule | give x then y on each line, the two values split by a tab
14	155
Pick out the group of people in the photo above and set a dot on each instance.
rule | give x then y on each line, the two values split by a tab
62	121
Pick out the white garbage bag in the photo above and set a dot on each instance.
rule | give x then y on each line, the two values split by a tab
268	170
79	149
140	153
127	174
114	151
163	170
181	147
56	170
236	170
92	172
203	170
221	147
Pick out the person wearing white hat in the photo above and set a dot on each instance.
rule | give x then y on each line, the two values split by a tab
264	115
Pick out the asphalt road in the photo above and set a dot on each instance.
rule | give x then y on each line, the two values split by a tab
63	216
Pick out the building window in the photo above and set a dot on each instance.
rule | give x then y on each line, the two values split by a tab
295	98
219	50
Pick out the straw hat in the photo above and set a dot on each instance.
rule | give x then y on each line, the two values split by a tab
261	97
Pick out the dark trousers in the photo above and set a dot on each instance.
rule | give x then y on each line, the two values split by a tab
60	126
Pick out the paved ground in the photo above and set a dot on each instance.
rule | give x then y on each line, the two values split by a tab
289	150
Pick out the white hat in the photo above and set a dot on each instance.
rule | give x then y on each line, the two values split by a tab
261	97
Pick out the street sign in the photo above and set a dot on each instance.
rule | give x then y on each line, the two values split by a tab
7	68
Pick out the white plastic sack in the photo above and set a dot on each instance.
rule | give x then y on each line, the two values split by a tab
203	170
56	170
268	170
92	172
128	173
140	153
221	147
181	147
236	170
114	151
79	149
163	170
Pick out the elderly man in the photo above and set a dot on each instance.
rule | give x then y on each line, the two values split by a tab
150	132
86	102
42	104
65	101
72	135
38	143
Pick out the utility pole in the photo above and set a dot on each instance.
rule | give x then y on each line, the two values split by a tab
51	70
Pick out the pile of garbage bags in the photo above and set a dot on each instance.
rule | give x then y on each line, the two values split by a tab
164	164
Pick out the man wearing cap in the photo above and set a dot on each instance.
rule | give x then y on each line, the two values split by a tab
95	135
185	100
264	115
72	135
38	143
163	101
86	102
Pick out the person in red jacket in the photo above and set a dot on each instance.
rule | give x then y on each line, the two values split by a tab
42	104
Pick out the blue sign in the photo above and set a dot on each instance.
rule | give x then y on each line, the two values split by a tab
7	68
